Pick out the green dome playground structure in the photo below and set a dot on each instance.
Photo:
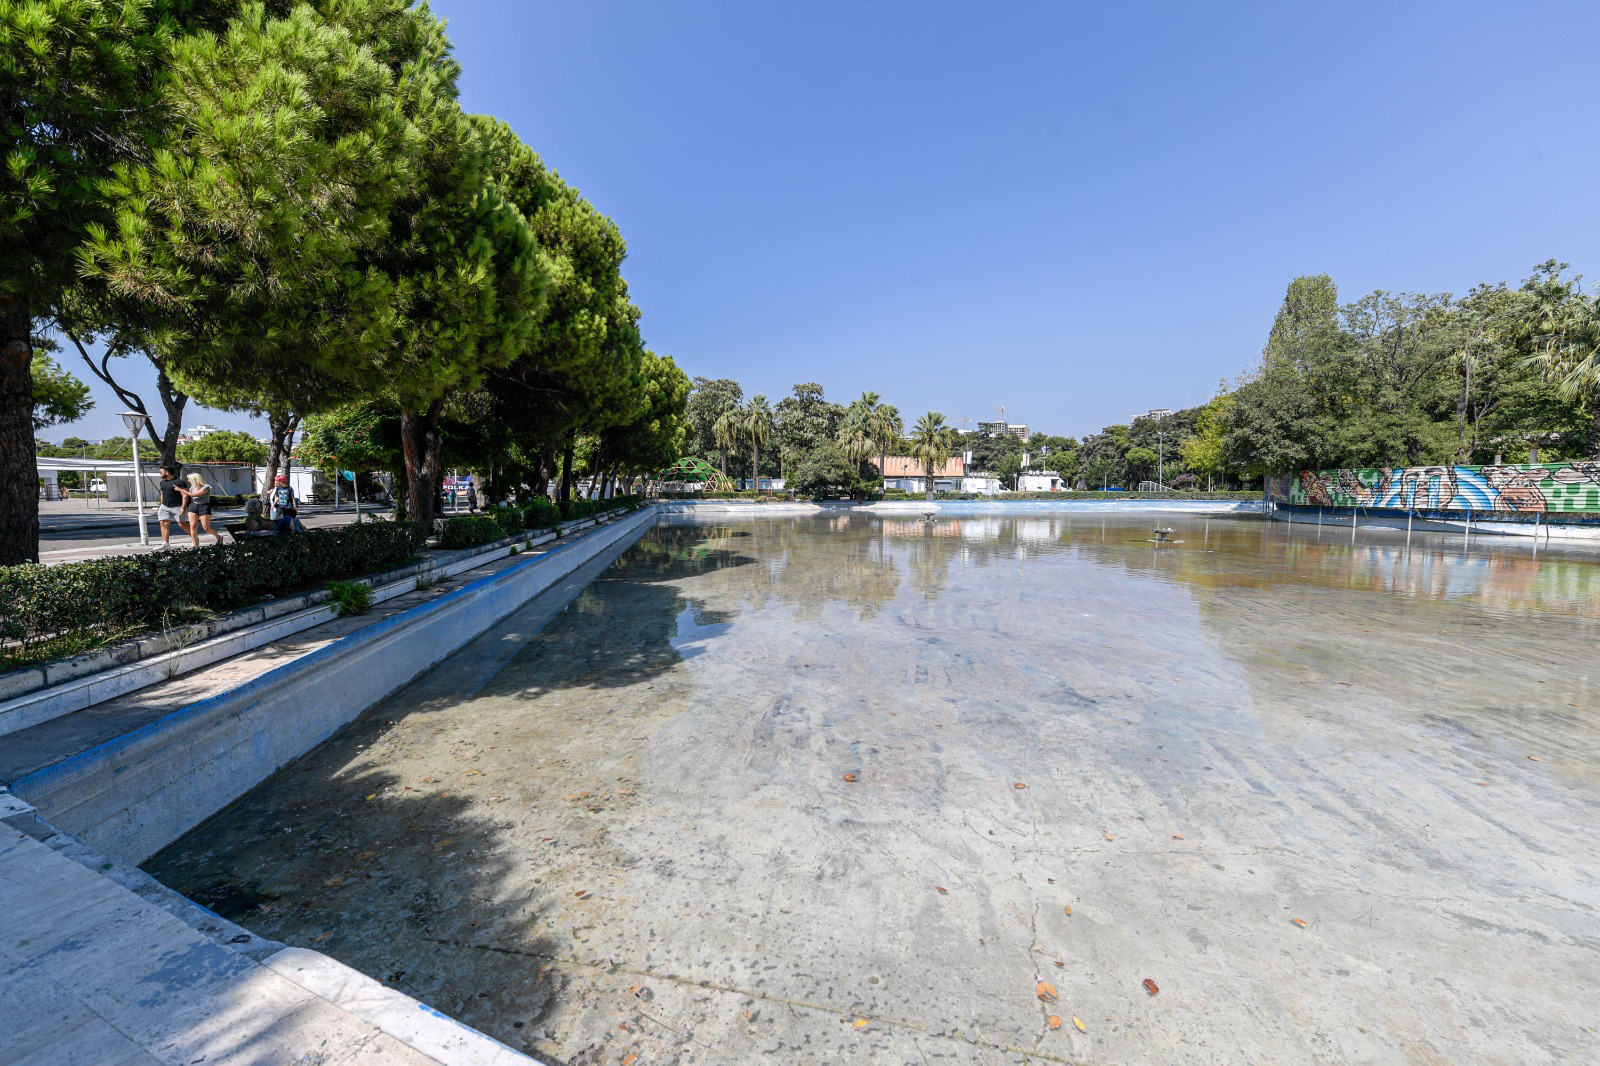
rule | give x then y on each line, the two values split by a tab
690	469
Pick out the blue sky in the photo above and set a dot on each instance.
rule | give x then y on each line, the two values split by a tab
1075	211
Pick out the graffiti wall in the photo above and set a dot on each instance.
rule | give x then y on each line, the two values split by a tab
1551	487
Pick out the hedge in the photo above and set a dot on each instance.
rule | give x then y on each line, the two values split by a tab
75	604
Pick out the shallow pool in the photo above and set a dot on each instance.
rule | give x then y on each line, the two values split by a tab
847	789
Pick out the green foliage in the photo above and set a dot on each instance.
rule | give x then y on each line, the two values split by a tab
102	598
826	470
224	446
803	421
932	443
709	401
58	396
349	597
358	436
654	436
469	531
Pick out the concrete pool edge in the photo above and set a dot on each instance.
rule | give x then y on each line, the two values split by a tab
134	794
961	508
253	989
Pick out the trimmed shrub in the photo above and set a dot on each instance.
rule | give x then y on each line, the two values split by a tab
469	531
75	604
540	514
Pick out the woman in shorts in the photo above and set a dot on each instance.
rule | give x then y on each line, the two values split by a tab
197	499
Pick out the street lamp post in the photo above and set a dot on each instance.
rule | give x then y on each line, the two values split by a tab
135	421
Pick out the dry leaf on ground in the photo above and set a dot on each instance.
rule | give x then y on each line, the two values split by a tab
1079	1023
1020	784
1298	922
630	1058
860	1023
1055	1021
942	890
850	777
1150	986
1045	991
1068	908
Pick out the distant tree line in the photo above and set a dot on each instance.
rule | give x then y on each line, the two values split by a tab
283	208
1502	374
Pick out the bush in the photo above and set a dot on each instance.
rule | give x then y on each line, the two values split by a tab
349	597
469	531
75	604
540	514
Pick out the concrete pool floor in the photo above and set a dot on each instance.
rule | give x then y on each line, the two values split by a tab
823	790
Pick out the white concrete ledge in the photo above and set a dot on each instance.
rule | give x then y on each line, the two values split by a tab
131	796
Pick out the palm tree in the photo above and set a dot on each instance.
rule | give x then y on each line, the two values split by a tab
1563	332
932	442
726	431
885	426
756	420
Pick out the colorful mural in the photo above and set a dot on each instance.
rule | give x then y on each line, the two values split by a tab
1551	487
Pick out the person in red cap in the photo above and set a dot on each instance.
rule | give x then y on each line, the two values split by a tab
285	507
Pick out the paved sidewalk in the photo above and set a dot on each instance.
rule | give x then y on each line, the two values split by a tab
71	537
91	972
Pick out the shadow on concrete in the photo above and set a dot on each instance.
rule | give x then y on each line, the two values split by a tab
412	882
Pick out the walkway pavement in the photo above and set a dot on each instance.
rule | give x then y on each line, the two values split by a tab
93	973
70	532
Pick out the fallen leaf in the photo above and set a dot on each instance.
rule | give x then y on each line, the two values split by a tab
427	780
1535	758
1055	1021
627	1060
445	843
860	1023
942	890
474	770
581	893
1068	908
1020	784
1079	1023
1045	991
324	936
1298	922
570	795
334	882
371	797
625	792
365	854
1150	986
850	777
1177	836
1110	837
1060	964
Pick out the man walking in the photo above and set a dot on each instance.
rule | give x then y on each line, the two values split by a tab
170	509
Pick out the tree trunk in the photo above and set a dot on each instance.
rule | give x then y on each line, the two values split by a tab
929	483
755	466
172	402
419	442
280	427
19	470
565	502
542	472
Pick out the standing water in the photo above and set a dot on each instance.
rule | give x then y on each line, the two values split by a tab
849	789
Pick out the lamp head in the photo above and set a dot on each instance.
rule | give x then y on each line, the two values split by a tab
134	420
